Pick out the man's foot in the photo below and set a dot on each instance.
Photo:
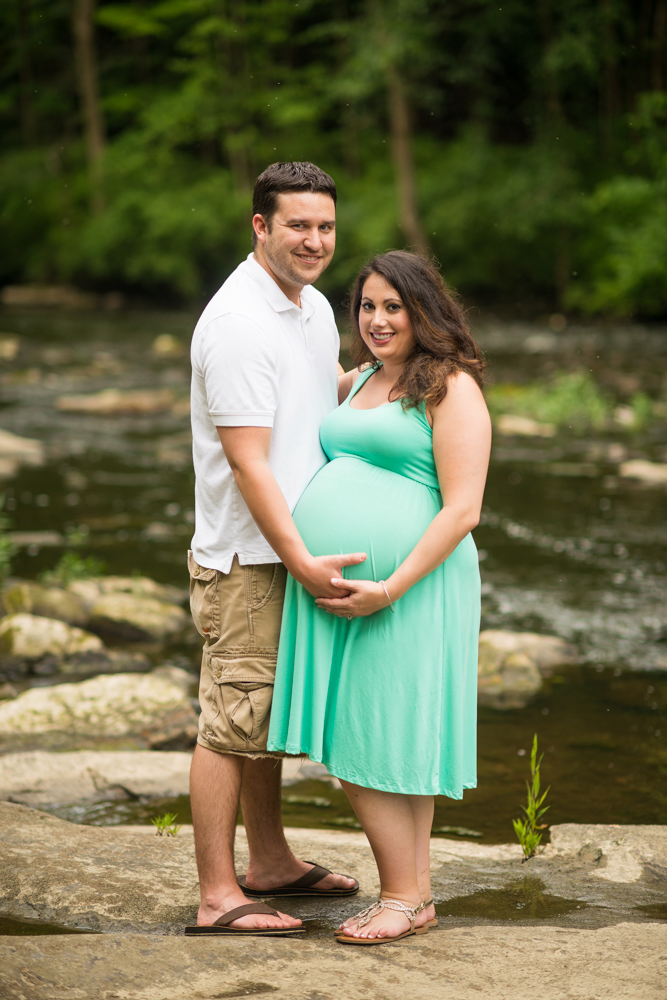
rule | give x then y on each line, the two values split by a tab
290	871
211	911
387	924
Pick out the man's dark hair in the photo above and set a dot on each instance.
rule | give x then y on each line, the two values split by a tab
282	177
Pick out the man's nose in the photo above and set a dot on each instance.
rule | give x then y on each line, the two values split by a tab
313	239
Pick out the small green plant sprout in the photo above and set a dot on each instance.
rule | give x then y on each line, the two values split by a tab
165	825
526	829
72	567
7	547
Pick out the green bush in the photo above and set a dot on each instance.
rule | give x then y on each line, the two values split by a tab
6	545
572	400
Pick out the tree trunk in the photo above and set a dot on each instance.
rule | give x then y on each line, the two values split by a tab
554	110
659	34
401	140
87	75
27	87
610	88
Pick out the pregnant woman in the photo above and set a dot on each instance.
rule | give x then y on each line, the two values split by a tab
380	684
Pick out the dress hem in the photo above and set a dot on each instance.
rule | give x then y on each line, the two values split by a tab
354	780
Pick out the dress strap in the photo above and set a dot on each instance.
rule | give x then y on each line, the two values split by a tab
363	378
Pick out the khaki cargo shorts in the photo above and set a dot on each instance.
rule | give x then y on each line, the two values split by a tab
239	614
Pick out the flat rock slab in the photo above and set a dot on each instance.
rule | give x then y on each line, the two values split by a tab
492	963
41	779
141	889
130	880
38	778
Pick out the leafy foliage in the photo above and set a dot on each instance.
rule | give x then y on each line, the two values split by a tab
6	545
571	400
536	134
526	829
166	825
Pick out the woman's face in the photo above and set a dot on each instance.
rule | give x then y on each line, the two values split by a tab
384	322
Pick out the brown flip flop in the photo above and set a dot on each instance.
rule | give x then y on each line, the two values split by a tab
220	925
301	887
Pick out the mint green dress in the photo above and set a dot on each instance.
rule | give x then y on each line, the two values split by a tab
388	701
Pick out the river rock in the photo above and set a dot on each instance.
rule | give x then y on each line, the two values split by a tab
130	711
512	665
30	637
16	451
41	779
90	589
512	685
651	473
547	651
47	296
136	619
47	602
509	423
31	645
111	402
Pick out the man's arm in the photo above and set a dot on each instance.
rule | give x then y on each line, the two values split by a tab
247	451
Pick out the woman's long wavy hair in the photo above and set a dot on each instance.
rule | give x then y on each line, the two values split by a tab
443	344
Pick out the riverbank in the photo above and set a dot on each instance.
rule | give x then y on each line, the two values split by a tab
583	920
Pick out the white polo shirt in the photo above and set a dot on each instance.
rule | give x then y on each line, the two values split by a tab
257	361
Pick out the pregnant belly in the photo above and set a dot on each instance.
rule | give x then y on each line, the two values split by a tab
352	506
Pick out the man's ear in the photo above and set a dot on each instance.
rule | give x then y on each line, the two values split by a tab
260	227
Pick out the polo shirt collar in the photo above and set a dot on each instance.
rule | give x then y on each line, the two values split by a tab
276	297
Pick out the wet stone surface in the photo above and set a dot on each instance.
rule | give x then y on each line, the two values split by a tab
130	880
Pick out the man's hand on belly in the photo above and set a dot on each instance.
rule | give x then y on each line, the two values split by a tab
316	573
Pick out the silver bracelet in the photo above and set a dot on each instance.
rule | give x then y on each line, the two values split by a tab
391	603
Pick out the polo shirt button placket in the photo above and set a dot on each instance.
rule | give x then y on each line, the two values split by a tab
306	340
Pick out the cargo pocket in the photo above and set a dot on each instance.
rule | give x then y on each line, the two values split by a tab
247	708
245	686
204	599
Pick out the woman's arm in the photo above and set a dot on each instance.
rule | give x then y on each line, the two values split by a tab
461	448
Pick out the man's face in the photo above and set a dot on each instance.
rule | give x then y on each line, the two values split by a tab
301	239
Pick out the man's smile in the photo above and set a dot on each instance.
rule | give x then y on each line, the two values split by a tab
309	258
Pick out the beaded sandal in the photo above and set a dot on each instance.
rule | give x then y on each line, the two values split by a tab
367	915
433	922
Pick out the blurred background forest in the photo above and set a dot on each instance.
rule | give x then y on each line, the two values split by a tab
524	144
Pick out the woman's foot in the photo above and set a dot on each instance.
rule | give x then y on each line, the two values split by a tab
389	923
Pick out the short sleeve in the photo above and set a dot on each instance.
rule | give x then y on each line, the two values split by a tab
239	365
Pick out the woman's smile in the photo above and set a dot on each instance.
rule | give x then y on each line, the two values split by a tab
381	337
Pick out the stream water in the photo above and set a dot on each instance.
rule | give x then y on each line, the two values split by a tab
567	547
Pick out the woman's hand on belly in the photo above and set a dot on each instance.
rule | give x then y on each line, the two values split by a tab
364	598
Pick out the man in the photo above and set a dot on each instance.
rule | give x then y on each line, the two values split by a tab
264	363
